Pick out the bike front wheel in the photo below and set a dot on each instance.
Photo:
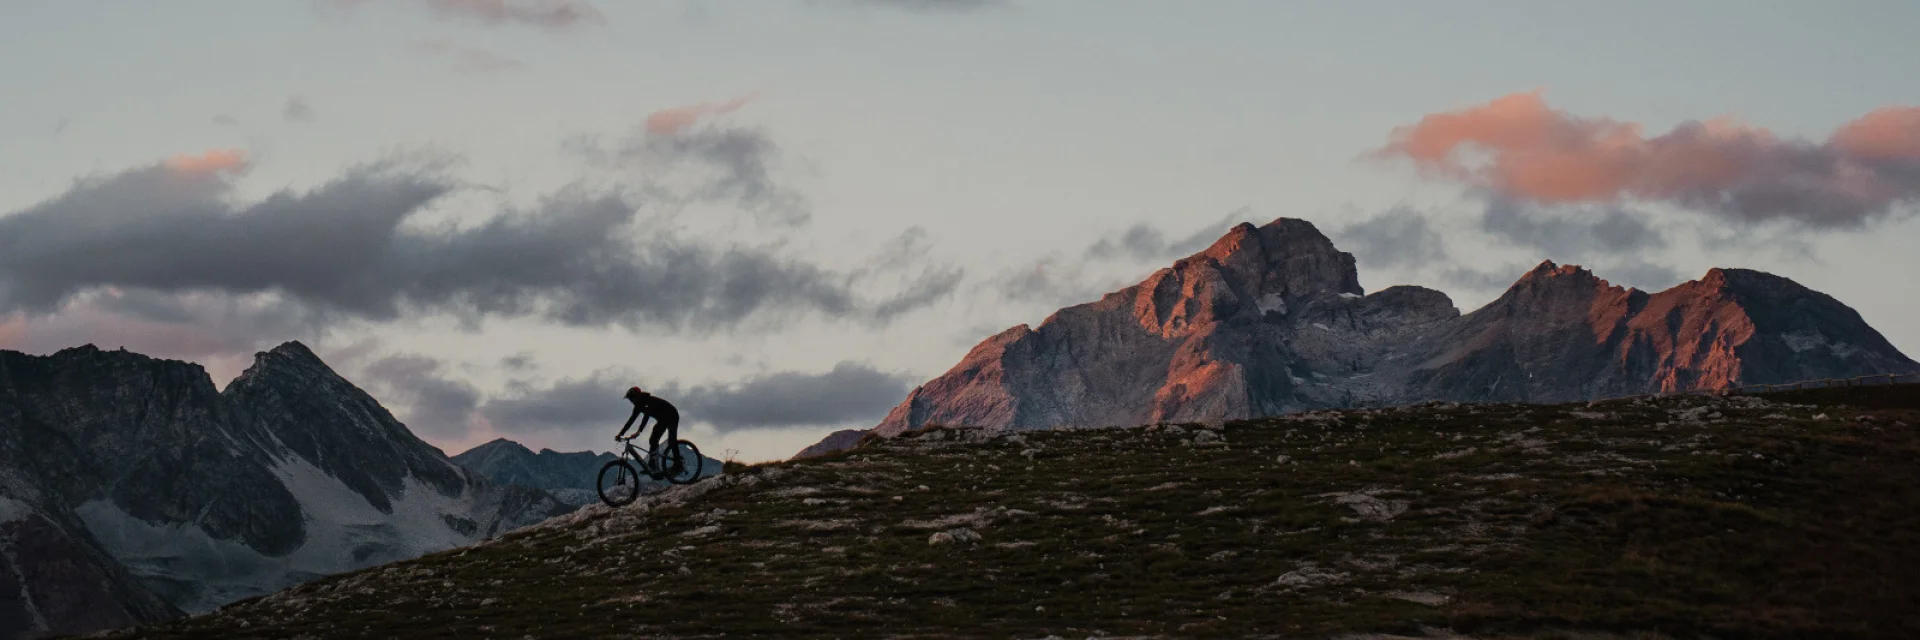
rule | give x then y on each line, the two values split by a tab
619	483
688	463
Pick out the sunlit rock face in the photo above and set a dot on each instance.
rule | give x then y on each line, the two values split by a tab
163	494
1272	320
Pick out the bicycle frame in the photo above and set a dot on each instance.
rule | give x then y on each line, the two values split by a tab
646	462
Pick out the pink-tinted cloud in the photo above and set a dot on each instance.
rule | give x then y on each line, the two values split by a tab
211	162
1520	147
221	332
677	119
1892	133
551	14
13	332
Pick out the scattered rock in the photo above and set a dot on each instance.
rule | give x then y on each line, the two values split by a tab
953	536
1369	506
1421	597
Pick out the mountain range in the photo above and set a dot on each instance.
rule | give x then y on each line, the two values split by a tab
1271	320
131	490
569	477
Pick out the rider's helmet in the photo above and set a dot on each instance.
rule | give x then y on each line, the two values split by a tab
634	393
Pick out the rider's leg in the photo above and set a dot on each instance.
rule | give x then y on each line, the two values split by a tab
671	428
653	440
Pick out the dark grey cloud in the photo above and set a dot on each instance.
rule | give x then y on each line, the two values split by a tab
573	404
705	162
1482	280
1398	237
297	110
432	404
1059	280
343	249
522	361
850	392
1051	281
225	120
922	281
1570	232
1146	243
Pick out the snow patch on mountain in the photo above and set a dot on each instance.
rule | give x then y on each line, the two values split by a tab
11	510
343	532
1804	341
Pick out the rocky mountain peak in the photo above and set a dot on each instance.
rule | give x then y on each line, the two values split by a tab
1287	256
1271	319
154	492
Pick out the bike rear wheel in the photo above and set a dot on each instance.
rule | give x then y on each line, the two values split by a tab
690	460
619	483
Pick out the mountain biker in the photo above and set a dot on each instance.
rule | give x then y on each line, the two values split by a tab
666	419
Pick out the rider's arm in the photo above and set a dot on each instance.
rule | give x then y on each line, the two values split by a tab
623	428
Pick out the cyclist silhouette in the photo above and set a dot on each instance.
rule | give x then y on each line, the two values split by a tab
666	419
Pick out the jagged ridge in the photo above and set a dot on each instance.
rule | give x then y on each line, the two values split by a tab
173	489
1272	320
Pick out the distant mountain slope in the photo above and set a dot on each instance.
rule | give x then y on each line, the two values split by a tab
508	462
1271	320
1785	516
204	497
570	477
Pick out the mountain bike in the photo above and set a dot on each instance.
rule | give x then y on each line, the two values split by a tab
678	463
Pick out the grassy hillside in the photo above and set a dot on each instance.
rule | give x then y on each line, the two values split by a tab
1734	517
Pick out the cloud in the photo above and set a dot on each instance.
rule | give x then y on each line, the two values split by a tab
1058	279
572	404
1890	134
552	15
344	249
850	392
719	163
216	330
1398	237
522	361
1482	280
1520	147
297	110
225	120
674	120
1146	243
1570	232
549	14
211	162
431	403
463	58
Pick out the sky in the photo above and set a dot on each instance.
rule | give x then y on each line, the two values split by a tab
496	215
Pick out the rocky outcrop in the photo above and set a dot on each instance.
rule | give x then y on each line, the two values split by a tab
160	493
1272	320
